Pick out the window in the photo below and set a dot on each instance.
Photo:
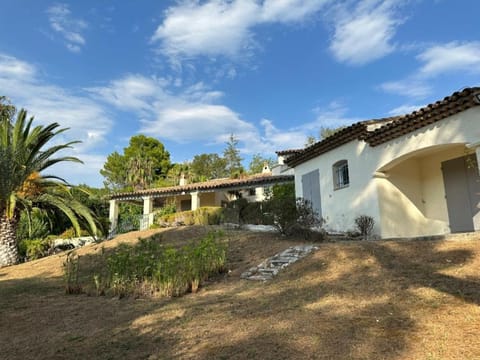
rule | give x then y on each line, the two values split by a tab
252	192
340	174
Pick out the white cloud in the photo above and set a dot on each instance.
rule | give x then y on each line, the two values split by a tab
331	116
62	22
404	109
195	116
188	122
12	67
366	33
191	115
414	88
453	56
87	120
284	11
271	138
436	61
223	28
212	28
133	92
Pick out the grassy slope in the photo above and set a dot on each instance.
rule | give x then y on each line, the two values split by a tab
359	300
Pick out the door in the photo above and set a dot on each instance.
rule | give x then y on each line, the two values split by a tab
462	190
311	190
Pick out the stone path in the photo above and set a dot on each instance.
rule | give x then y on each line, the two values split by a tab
271	266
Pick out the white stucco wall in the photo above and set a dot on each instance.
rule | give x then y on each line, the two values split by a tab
398	183
340	207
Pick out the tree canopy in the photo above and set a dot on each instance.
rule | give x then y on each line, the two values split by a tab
257	163
329	131
23	187
208	166
232	157
143	163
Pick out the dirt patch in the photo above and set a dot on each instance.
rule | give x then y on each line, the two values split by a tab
350	300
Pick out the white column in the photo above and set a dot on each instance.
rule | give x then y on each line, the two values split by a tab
147	211
195	200
113	215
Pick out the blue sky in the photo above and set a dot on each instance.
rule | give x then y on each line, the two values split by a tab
191	72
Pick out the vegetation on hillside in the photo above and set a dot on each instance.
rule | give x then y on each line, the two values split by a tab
24	157
149	268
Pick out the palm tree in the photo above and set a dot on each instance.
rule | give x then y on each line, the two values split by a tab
23	186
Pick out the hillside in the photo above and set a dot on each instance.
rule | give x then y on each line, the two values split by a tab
348	300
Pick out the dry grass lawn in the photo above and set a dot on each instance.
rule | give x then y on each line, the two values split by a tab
348	300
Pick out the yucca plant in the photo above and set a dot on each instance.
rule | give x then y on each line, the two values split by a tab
24	157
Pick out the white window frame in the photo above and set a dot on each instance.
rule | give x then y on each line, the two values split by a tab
341	176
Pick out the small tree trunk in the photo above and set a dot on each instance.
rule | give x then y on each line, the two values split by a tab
8	242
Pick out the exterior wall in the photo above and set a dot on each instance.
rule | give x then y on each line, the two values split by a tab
259	195
412	196
179	198
221	197
340	207
398	183
208	199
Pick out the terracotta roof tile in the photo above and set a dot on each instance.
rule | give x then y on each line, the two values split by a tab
356	131
450	105
227	183
288	152
393	127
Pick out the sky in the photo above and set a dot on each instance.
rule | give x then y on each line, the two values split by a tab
190	73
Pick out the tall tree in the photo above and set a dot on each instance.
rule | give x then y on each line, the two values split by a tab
328	131
310	140
231	154
140	172
143	153
258	162
23	158
208	166
174	174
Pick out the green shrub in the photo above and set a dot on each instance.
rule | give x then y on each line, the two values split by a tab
149	268
243	212
31	249
168	208
208	215
71	233
37	227
294	216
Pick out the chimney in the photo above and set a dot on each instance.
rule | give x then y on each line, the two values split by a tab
266	168
183	179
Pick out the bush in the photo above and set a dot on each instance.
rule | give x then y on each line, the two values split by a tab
208	215
149	268
35	228
364	225
294	216
167	209
242	211
71	233
32	249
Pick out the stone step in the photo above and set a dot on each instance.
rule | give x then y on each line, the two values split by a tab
271	266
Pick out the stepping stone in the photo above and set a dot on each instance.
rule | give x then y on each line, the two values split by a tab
271	266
